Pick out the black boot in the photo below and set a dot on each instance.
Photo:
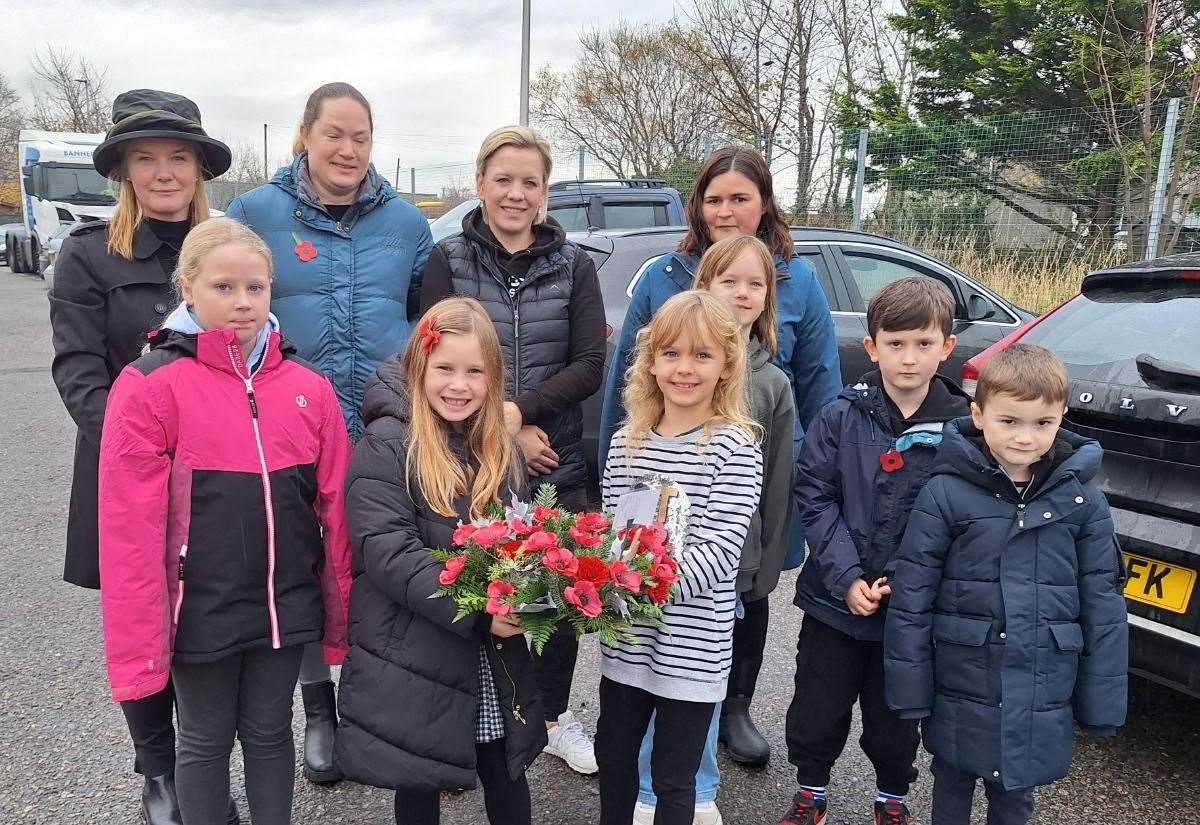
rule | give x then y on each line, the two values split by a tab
160	805
231	814
738	734
320	712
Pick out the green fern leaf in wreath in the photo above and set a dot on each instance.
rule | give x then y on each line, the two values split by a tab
547	496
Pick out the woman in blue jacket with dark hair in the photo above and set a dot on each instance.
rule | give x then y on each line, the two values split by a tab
349	253
734	195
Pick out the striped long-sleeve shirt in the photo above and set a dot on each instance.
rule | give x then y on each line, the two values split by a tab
722	477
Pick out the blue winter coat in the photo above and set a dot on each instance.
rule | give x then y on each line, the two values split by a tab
808	350
855	511
348	309
1006	619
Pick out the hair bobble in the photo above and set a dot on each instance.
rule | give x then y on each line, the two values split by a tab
429	336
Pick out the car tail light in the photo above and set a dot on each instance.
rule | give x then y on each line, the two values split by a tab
1190	275
970	378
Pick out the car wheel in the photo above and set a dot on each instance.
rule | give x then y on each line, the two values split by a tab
18	256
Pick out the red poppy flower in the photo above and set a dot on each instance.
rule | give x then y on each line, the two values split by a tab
509	550
498	595
624	577
543	514
491	535
540	542
659	592
560	561
592	569
663	573
584	538
463	534
451	570
891	461
304	250
592	523
585	597
520	528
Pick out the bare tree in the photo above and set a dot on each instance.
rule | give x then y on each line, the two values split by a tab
69	93
10	126
247	166
627	101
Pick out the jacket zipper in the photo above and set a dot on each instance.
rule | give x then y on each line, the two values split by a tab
179	596
248	380
516	707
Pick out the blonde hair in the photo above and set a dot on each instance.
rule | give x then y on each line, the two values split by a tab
518	137
720	256
701	315
127	216
441	476
206	237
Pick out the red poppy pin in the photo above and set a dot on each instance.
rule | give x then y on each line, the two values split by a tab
305	250
429	333
891	461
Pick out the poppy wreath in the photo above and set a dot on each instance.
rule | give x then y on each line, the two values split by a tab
549	566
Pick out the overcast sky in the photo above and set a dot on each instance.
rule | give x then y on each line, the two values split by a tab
439	73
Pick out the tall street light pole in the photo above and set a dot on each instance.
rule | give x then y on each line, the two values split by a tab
525	62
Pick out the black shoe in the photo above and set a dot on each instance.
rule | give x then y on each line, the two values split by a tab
892	812
231	814
160	805
738	734
320	713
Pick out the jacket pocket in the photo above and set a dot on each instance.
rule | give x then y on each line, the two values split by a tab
962	656
1067	637
1058	665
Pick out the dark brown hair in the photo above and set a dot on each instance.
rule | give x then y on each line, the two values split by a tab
1025	372
918	302
312	109
772	229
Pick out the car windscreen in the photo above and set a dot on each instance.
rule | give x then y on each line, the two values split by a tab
76	184
451	222
1104	330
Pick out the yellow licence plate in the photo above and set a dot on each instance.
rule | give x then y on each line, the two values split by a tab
1159	584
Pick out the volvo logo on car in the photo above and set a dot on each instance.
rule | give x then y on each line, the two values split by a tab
1174	410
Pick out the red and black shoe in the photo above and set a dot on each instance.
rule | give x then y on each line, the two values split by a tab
892	812
806	810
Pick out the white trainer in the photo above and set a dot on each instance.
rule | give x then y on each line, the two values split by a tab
569	742
706	814
643	814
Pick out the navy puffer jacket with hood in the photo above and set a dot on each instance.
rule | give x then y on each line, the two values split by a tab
1006	621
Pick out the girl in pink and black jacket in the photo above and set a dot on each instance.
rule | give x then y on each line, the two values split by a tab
223	543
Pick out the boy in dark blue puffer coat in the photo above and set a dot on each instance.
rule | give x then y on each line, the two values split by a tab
1007	622
866	456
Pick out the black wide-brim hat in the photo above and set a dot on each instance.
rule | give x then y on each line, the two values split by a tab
147	113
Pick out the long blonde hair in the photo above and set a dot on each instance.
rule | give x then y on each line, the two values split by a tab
441	476
127	216
518	137
703	316
720	256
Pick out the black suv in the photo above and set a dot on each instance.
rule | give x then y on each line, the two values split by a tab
1131	343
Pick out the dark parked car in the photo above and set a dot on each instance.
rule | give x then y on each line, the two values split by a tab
1131	343
593	204
850	266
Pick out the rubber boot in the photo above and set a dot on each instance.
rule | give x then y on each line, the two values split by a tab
746	745
160	805
320	713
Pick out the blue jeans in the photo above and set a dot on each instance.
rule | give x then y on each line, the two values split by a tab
708	776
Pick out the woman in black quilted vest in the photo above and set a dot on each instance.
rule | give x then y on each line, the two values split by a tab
543	295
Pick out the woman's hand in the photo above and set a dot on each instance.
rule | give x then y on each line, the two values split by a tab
540	459
512	418
506	626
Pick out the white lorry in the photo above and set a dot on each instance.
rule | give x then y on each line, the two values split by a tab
59	186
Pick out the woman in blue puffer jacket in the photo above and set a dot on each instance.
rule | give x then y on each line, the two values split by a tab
734	195
348	255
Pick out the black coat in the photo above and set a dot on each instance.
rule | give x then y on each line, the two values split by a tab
1006	619
410	684
101	308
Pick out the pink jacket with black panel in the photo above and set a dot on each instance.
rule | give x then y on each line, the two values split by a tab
222	521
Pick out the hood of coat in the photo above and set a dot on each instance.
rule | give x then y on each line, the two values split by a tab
548	236
944	402
758	357
964	454
387	394
293	179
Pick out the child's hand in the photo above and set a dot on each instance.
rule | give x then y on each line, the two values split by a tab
861	599
540	458
880	588
506	626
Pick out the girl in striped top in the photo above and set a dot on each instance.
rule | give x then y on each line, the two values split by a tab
688	420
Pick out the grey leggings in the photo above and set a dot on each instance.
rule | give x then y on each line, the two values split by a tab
249	695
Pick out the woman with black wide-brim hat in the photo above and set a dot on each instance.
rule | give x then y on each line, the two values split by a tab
113	285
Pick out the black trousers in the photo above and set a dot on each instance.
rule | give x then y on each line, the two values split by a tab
749	642
833	671
953	791
151	726
506	799
680	729
555	667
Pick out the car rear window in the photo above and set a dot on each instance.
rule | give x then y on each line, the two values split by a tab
630	215
1113	325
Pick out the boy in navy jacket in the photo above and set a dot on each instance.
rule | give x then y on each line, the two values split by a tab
865	458
1007	623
